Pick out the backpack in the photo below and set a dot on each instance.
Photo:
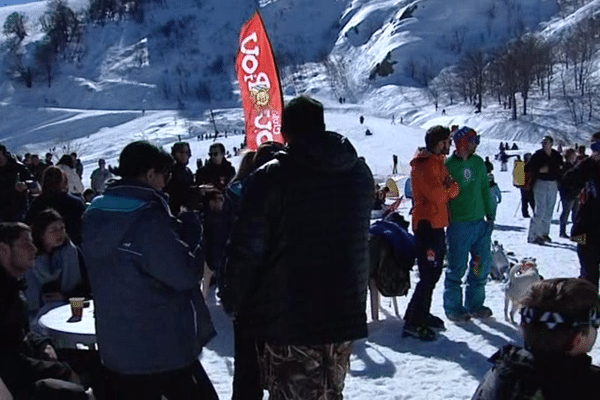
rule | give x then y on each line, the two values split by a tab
392	255
519	174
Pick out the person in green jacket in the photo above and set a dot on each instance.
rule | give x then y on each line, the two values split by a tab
472	216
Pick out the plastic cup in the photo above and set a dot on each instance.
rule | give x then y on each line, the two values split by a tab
76	306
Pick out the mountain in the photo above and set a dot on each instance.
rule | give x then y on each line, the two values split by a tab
180	56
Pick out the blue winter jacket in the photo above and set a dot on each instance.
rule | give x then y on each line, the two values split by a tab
150	314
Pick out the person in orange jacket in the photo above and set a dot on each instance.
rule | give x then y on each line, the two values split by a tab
432	188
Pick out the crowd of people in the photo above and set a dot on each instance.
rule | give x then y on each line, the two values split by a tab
153	237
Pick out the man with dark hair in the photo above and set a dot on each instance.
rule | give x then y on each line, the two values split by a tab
559	321
78	165
25	359
217	171
37	167
144	268
432	189
544	167
48	159
568	193
586	225
182	177
297	268
581	153
99	177
472	215
13	187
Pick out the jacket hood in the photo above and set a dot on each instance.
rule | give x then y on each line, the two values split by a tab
326	152
515	357
520	358
122	199
422	154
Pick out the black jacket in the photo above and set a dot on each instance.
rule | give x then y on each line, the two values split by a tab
518	374
297	265
217	175
539	159
586	176
13	205
568	190
178	187
21	356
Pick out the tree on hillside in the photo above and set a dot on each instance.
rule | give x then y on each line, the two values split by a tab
14	28
107	10
103	10
45	56
579	84
505	74
471	69
445	83
530	57
61	25
15	25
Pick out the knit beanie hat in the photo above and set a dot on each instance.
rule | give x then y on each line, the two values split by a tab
464	135
303	115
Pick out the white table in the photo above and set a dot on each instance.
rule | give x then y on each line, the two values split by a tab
69	334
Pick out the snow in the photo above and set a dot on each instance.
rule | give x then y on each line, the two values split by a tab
116	95
385	365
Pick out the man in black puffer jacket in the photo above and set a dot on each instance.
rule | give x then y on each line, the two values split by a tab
217	171
13	189
586	225
297	269
182	178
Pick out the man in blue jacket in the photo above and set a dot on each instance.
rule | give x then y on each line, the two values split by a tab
144	269
297	269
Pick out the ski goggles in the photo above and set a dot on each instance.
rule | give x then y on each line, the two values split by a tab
555	320
596	146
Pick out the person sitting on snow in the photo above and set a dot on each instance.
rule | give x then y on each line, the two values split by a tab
559	322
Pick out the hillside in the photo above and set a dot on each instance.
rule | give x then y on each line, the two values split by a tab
374	53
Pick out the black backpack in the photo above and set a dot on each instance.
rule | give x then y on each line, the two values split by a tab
392	256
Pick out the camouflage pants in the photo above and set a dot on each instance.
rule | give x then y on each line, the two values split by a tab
305	372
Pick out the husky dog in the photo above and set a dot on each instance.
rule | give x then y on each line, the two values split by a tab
520	278
502	262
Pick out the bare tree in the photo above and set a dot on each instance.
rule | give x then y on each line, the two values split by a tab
471	70
530	53
45	56
506	77
61	25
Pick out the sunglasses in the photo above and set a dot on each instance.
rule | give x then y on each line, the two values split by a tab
214	154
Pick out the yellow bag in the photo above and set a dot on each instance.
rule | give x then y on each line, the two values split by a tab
519	173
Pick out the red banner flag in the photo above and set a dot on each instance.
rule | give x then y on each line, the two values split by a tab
259	84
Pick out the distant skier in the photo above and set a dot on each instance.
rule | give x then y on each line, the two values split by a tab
395	167
361	119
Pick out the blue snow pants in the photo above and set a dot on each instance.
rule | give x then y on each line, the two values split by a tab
472	237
